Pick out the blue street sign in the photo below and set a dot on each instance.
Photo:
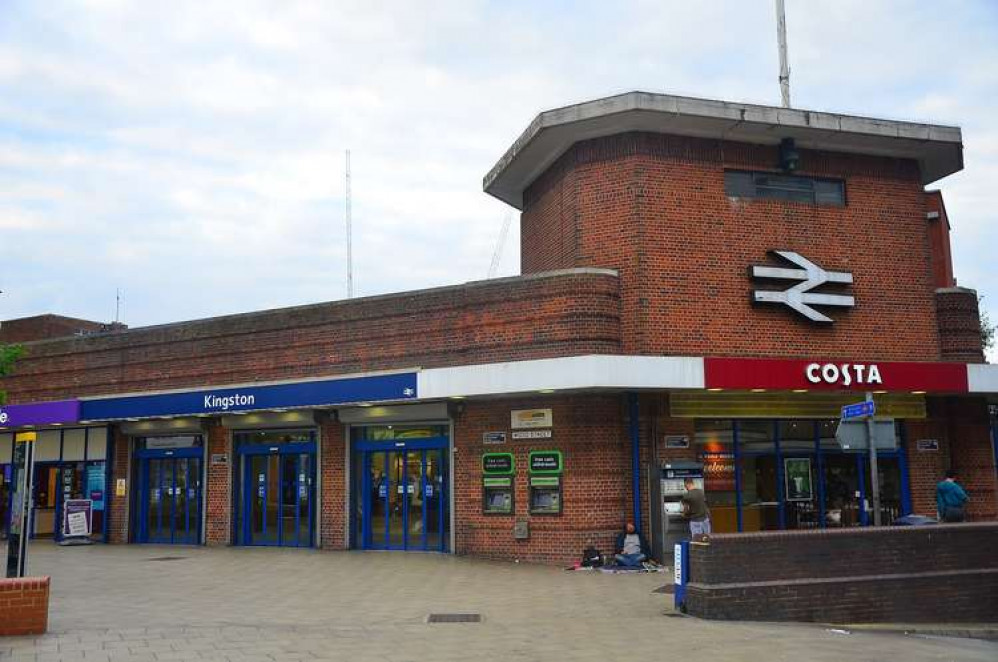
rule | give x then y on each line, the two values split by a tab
859	410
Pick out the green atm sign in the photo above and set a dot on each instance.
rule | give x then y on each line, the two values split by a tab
497	464
546	462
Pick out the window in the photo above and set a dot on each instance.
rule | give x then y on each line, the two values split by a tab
793	188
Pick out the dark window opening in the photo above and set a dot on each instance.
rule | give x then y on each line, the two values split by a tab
793	188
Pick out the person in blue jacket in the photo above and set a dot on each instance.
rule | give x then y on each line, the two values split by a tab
950	499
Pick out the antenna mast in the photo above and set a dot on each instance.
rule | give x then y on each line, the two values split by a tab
349	217
781	36
117	305
500	243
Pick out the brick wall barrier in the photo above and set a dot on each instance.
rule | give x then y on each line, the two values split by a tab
24	606
943	573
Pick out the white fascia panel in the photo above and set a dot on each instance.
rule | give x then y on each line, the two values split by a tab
574	372
982	378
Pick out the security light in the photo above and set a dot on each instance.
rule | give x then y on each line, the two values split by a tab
789	156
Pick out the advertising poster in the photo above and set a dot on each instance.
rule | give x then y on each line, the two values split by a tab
798	479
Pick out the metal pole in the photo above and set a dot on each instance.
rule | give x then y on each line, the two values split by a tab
349	219
634	412
874	473
781	37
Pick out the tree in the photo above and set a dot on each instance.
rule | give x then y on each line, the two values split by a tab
987	327
8	355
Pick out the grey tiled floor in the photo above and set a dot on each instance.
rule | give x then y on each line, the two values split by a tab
118	603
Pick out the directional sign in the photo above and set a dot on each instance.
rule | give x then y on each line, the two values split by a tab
859	410
852	435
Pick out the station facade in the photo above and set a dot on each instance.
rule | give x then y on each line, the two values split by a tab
702	282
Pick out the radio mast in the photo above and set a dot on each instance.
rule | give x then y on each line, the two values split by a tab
349	234
781	38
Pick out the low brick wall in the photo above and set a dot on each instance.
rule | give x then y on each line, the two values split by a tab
24	606
942	573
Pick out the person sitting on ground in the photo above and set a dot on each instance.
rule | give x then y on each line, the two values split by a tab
695	508
631	548
951	499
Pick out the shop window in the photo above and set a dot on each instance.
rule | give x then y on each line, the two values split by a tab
272	437
714	442
792	188
760	493
756	437
841	475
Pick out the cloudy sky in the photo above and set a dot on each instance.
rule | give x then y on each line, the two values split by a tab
191	153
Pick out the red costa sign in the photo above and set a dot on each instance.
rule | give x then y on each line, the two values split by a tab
838	375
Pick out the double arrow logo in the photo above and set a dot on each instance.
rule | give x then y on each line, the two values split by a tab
800	297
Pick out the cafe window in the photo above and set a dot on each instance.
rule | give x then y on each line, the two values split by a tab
714	442
792	188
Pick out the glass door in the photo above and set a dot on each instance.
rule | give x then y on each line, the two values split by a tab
170	500
403	501
280	497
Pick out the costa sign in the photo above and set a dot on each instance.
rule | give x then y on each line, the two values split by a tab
817	375
844	374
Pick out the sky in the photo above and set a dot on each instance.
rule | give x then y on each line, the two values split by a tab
191	153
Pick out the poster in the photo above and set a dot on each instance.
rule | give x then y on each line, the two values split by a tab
718	472
77	517
797	474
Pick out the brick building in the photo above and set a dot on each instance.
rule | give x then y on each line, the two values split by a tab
703	282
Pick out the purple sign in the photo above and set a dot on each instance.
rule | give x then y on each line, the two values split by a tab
77	517
40	413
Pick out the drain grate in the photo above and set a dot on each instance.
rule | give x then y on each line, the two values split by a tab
454	618
167	558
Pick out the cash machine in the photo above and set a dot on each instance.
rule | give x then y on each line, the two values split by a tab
667	487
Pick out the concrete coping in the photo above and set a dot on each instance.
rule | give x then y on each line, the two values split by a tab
937	148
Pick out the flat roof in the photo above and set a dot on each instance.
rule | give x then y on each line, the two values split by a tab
937	148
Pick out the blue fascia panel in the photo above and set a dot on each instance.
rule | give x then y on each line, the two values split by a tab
376	388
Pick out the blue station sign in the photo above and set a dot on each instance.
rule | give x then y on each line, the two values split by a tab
353	390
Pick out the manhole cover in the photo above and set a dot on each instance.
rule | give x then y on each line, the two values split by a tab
167	558
668	588
454	618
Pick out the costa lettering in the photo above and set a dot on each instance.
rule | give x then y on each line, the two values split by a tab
237	400
4	418
844	374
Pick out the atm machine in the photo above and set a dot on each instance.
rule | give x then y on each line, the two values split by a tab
667	487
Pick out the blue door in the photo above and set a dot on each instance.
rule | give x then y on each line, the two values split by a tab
169	496
403	495
278	506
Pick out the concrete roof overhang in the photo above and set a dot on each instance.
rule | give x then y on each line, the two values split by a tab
937	149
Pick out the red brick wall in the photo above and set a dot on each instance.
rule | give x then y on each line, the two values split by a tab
24	606
942	260
591	433
926	468
505	319
944	573
972	455
333	502
959	325
118	506
218	513
45	326
654	207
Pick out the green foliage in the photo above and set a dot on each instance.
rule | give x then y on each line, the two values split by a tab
987	327
8	355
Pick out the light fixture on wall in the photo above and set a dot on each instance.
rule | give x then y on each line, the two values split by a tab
789	156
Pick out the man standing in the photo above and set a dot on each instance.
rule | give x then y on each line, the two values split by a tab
950	499
631	548
695	508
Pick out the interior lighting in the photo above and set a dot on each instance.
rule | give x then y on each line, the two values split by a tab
715	390
364	404
457	397
758	390
918	392
881	392
800	390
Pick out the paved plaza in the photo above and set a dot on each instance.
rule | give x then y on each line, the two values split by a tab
184	603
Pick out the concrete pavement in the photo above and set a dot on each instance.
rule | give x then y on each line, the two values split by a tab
186	603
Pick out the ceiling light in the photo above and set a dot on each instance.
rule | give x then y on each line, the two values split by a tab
546	390
715	390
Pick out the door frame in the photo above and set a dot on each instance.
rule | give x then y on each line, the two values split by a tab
367	449
296	448
143	456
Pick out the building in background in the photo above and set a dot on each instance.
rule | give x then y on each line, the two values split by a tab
703	282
